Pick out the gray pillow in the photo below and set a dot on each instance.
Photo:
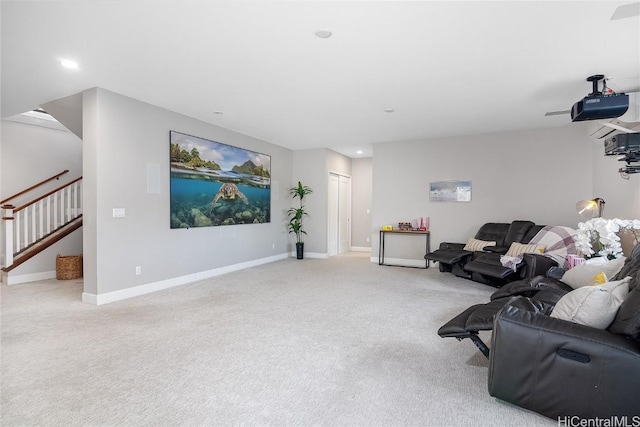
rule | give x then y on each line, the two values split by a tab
594	306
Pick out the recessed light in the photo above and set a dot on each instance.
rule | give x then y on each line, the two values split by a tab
68	63
389	110
323	34
359	152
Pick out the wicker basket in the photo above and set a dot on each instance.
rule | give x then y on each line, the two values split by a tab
68	267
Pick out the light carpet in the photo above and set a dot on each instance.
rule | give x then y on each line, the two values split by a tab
335	342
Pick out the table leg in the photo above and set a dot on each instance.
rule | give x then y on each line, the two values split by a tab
428	247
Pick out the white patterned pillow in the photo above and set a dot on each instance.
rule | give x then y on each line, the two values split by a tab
474	245
520	248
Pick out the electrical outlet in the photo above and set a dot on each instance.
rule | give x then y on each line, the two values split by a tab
368	239
273	246
138	270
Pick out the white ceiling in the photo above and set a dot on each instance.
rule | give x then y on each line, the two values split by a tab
446	68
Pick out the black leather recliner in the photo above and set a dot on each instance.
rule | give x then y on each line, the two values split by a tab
487	267
479	317
452	257
562	369
554	367
546	289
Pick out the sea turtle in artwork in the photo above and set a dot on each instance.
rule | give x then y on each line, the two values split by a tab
230	192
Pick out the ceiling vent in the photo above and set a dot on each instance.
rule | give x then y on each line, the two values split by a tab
627	123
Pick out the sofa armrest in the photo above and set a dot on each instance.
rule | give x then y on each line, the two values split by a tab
535	265
449	245
529	287
558	368
496	249
489	265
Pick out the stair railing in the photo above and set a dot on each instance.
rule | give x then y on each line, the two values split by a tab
33	187
31	222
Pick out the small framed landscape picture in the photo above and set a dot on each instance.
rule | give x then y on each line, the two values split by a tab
450	191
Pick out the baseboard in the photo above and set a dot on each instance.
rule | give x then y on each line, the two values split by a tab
135	291
10	279
400	262
360	249
317	255
89	298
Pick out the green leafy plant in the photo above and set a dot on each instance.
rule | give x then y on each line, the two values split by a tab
297	214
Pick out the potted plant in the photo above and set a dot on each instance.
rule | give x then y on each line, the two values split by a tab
296	216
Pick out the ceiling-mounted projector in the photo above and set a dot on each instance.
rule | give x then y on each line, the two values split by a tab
599	105
628	143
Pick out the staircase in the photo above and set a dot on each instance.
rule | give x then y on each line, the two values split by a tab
40	222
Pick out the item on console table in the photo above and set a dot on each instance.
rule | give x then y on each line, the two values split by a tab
405	226
387	228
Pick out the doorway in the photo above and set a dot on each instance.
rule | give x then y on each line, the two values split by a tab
339	228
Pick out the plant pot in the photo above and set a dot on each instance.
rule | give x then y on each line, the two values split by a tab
300	250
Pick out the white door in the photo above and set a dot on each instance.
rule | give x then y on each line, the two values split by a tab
339	214
334	195
344	232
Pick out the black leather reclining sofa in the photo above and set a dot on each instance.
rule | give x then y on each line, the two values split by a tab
485	266
558	368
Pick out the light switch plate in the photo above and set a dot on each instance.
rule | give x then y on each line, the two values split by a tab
118	213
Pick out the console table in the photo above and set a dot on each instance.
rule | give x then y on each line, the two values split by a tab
426	234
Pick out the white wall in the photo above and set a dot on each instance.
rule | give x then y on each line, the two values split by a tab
537	175
338	163
123	135
309	167
31	154
312	168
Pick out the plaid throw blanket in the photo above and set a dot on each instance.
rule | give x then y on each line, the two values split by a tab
558	241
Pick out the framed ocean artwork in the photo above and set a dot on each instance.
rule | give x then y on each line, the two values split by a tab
215	184
450	191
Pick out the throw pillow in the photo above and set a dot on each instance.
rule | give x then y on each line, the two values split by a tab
594	306
474	245
520	248
581	275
